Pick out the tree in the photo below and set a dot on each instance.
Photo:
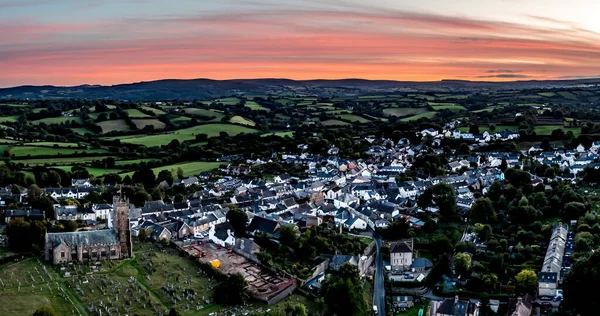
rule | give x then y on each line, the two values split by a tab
34	192
112	178
71	226
526	282
474	129
173	312
165	175
463	149
233	290
44	311
238	220
145	176
343	294
17	231
180	173
462	264
583	241
15	189
503	165
444	197
582	277
287	235
482	211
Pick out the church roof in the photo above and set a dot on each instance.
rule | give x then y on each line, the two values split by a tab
93	237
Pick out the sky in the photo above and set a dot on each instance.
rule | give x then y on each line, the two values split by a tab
72	42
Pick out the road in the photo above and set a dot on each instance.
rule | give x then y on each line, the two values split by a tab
379	292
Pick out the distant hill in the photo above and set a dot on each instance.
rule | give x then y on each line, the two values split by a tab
203	89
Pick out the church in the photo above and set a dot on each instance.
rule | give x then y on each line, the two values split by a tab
113	243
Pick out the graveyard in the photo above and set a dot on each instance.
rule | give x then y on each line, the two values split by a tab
156	280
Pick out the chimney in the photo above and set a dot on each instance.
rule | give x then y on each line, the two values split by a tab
519	301
456	299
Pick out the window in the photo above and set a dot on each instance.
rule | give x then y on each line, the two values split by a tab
74	255
94	253
62	254
103	253
113	252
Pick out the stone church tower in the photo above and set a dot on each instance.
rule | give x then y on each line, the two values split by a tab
121	225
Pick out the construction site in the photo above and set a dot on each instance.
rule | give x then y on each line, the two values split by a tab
263	284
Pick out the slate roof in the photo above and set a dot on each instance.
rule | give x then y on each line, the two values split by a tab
460	308
221	230
93	237
264	225
400	247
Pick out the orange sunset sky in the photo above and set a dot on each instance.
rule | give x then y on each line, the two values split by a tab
69	42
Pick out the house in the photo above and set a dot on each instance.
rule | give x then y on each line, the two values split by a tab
580	148
421	265
102	210
338	260
520	306
178	229
401	255
429	132
188	182
222	234
263	225
80	183
24	214
549	276
155	231
282	178
355	223
456	307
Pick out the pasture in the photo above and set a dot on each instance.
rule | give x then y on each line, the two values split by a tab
185	134
419	116
156	112
486	128
354	118
8	119
26	151
135	113
241	120
178	119
280	134
334	123
141	123
447	106
255	106
59	161
216	116
82	130
227	101
96	172
59	120
547	129
189	168
403	111
114	125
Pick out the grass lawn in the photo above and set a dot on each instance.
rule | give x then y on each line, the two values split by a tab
354	118
255	106
52	144
227	101
58	160
185	134
217	116
128	162
189	168
58	120
547	94
178	119
94	115
448	106
114	125
280	134
414	311
135	113
153	110
140	123
419	116
24	151
241	120
12	118
403	111
96	172
547	129
567	95
45	289
82	130
334	123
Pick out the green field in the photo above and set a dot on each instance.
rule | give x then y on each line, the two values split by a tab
255	106
95	115
354	118
189	168
156	112
52	144
334	123
96	172
82	130
24	151
448	106
178	119
280	134
547	94
58	160
241	120
128	162
567	95
12	118
140	123
135	113
547	129
227	101
114	125
419	116
59	120
403	111
185	134
217	116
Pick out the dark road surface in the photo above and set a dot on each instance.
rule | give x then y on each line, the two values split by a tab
379	293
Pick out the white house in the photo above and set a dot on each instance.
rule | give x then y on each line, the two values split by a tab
580	148
222	234
355	223
401	255
430	131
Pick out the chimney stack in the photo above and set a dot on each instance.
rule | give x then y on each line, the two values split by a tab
456	299
519	301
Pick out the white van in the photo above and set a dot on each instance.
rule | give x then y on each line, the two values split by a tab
374	309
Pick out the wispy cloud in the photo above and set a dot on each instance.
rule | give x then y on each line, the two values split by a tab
506	76
503	71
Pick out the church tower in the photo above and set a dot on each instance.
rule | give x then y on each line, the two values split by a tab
121	225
